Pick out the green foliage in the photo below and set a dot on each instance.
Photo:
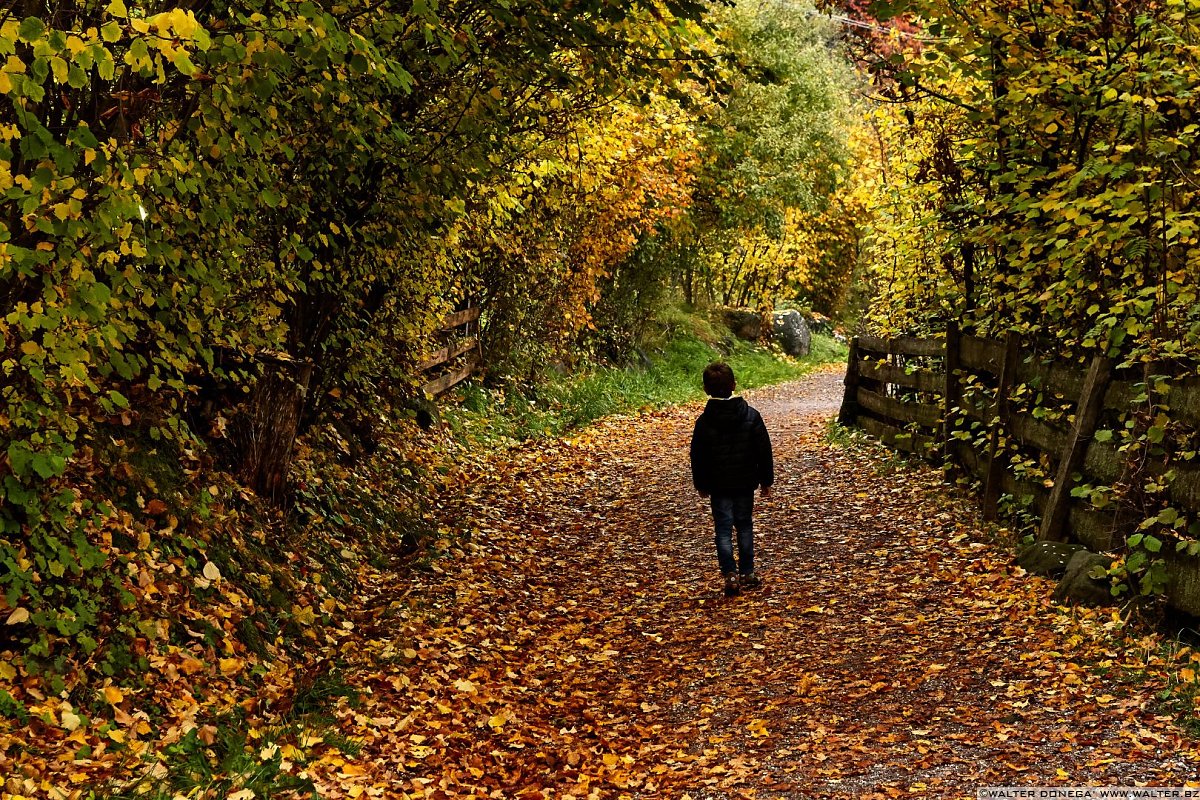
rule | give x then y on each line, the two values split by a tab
1038	164
220	763
765	220
683	346
231	223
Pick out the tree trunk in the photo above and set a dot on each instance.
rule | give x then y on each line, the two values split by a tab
265	431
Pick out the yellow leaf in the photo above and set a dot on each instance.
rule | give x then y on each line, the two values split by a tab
117	8
211	571
231	666
18	615
113	695
5	83
1187	675
7	671
117	736
184	22
70	720
58	66
497	720
190	666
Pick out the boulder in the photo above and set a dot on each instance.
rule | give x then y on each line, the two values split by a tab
1048	558
1078	586
745	323
792	332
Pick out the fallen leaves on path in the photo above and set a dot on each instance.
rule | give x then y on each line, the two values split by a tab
568	639
576	645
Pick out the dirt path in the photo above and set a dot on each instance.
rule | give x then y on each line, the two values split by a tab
580	646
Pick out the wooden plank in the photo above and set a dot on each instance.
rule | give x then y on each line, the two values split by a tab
1099	529
872	344
974	410
461	318
848	414
1035	433
951	390
1184	399
1183	580
1087	414
1019	489
926	414
1119	395
923	380
996	463
982	354
918	346
447	353
1184	490
1054	377
450	379
902	345
966	455
917	443
1103	462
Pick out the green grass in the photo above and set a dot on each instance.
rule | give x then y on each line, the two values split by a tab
233	759
685	344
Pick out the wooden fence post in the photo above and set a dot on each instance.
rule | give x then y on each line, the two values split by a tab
848	415
1087	416
952	394
996	464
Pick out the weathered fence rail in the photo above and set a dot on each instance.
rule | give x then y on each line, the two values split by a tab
460	328
910	393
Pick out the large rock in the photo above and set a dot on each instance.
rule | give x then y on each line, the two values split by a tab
1078	586
1048	558
745	323
792	333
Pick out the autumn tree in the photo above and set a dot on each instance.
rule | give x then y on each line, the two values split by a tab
774	156
228	223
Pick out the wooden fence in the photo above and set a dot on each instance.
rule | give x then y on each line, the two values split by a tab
910	393
458	357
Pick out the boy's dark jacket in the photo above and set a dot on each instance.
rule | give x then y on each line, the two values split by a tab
731	450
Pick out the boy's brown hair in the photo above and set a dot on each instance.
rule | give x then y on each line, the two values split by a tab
718	380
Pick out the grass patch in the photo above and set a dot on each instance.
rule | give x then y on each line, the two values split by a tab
229	756
678	353
216	762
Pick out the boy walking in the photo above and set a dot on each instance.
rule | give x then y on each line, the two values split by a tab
731	457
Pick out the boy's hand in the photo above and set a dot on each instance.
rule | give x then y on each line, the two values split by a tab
766	492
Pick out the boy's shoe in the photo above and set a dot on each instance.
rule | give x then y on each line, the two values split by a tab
750	581
732	589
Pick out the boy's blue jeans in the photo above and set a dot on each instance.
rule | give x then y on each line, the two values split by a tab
730	512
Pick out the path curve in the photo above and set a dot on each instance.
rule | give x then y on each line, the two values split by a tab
580	646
